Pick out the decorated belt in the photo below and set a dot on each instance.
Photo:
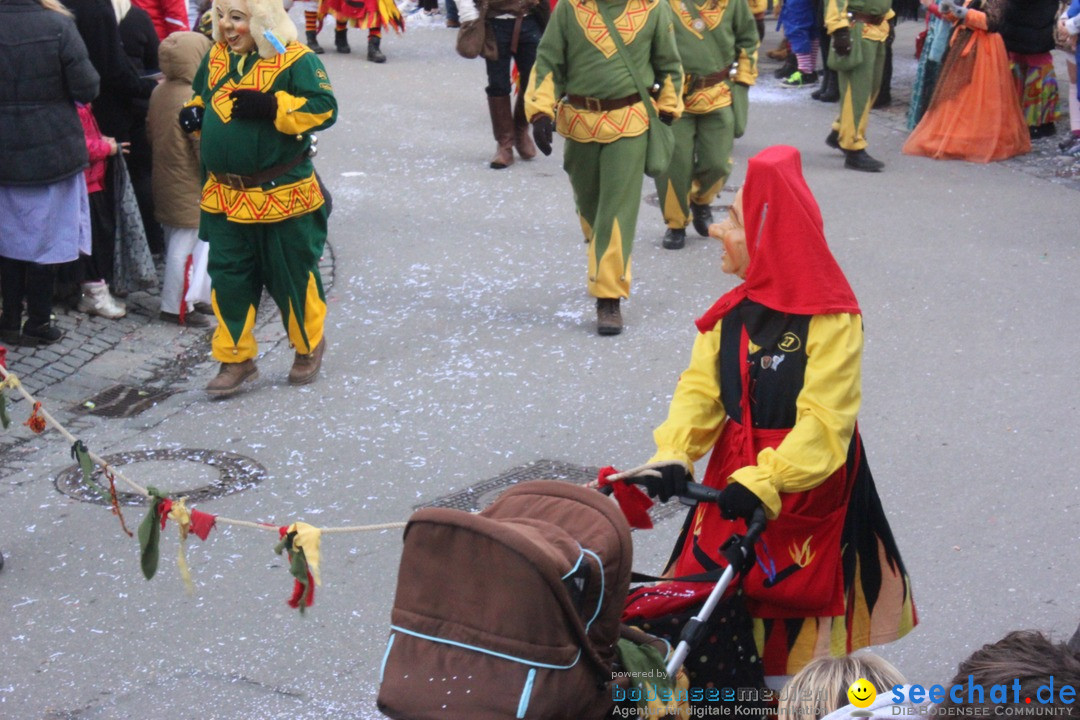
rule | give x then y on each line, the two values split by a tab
866	18
602	104
251	182
700	82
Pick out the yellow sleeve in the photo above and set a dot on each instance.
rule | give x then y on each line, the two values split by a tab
836	15
825	415
696	414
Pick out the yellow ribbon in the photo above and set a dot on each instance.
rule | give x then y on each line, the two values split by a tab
180	514
308	537
10	382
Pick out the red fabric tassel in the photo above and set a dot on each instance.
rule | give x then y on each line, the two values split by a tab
163	511
634	503
299	595
202	523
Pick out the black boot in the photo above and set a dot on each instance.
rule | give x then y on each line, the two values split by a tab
830	88
860	160
884	96
374	54
313	43
674	239
833	139
703	218
341	42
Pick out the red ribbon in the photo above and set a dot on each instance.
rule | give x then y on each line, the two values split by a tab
202	523
634	503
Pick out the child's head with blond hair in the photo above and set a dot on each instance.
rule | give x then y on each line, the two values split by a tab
821	686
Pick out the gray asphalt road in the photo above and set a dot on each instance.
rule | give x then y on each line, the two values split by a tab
462	346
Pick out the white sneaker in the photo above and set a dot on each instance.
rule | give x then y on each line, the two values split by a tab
96	300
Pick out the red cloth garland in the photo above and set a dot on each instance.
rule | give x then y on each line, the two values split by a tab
791	269
634	503
301	593
202	523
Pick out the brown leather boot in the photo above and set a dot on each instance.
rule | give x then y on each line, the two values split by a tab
608	317
305	368
502	125
230	377
523	141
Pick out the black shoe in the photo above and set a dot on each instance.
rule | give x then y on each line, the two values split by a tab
34	335
674	239
191	319
341	42
9	334
1041	131
883	100
204	308
608	316
829	90
833	140
799	79
861	160
790	65
703	218
313	43
1068	142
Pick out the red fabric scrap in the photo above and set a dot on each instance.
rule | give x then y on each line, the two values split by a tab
163	511
634	503
298	593
202	523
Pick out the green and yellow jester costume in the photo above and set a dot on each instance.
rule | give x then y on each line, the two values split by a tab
712	36
263	210
581	83
859	72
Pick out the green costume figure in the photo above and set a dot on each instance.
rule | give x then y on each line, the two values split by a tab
712	36
581	86
859	29
258	96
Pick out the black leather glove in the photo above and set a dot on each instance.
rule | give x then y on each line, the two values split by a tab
667	118
668	481
191	118
841	41
738	502
253	105
543	127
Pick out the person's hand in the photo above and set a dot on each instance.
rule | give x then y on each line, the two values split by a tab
841	41
253	105
111	143
191	118
952	8
738	502
542	128
666	118
666	481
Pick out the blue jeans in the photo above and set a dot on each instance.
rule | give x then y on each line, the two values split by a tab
451	11
499	70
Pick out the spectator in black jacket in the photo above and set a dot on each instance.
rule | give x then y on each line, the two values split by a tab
44	214
1027	27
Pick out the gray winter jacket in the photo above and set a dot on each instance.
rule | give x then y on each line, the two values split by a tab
46	70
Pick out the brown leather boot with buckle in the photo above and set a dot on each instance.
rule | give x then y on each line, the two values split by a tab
305	368
608	317
523	141
230	377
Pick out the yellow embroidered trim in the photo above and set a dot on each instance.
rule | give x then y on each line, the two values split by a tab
602	127
708	99
261	76
710	16
267	205
629	23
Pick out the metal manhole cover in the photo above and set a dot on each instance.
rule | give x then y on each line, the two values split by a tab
477	497
234	473
123	401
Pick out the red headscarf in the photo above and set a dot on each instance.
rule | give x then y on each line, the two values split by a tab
791	269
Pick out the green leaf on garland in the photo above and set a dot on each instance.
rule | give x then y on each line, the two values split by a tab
150	536
5	419
82	456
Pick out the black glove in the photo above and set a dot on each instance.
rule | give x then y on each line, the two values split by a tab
191	118
841	40
666	118
542	130
672	481
738	502
253	105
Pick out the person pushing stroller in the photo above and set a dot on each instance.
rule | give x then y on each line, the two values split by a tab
773	390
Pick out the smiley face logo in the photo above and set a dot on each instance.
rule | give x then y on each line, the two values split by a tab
861	693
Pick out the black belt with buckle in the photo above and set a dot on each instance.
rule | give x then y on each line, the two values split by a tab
602	104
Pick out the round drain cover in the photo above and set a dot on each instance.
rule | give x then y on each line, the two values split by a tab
222	473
